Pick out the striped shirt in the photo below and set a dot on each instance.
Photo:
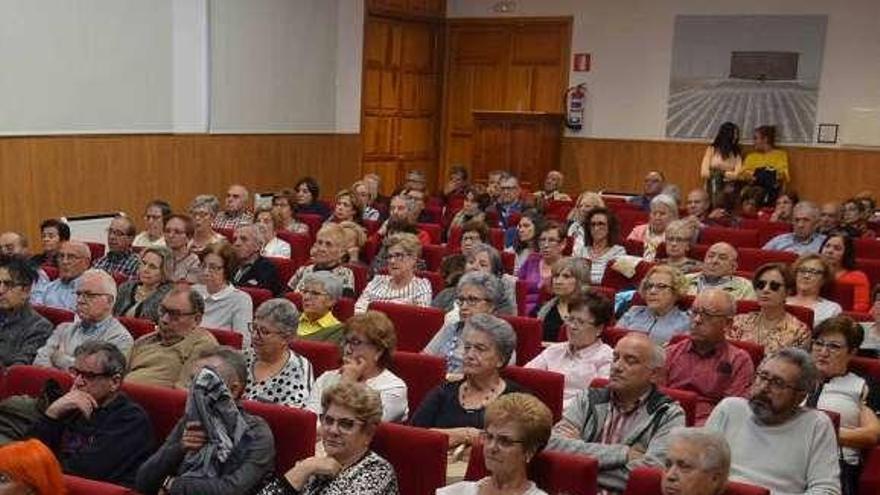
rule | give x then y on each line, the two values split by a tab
417	292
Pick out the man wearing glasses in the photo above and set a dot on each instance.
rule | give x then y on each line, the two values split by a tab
120	258
73	259
164	358
22	330
774	441
95	431
705	362
94	305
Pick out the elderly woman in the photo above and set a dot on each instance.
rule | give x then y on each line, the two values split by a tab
660	318
871	341
812	273
839	252
226	306
348	419
203	210
30	468
456	408
275	373
472	209
354	239
577	217
473	233
526	241
517	428
183	264
477	293
486	259
600	242
537	269
584	356
320	291
401	284
679	237
569	280
836	342
366	197
155	215
366	355
274	246
282	208
327	253
140	298
663	210
348	208
771	325
306	195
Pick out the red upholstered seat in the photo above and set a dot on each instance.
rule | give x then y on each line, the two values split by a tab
295	432
314	221
755	350
300	248
646	481
420	372
508	260
229	234
28	380
96	249
522	289
613	334
137	327
868	248
558	210
164	406
415	325
371	226
750	259
433	255
227	337
496	238
528	337
687	399
342	310
736	237
51	271
866	367
361	274
324	356
285	267
434	231
258	295
417	454
871	267
435	279
843	294
553	471
546	385
119	277
56	315
83	486
766	230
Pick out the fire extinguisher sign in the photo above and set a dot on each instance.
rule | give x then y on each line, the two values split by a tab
581	62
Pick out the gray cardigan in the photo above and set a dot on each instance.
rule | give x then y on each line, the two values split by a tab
149	308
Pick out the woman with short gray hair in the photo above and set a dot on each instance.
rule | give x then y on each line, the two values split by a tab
663	210
203	210
457	408
275	373
320	291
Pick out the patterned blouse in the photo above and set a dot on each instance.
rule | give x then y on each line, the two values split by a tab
290	387
344	273
789	332
372	475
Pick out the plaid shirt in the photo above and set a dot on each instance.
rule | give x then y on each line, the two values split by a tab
119	262
224	220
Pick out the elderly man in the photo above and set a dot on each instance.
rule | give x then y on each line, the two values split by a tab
73	259
626	424
253	270
236	213
95	430
552	189
706	363
183	265
719	266
402	211
697	463
320	291
829	218
164	358
803	239
22	330
94	305
120	258
774	442
654	184
178	466
506	206
417	197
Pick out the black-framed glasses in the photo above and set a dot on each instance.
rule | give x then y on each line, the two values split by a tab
354	342
397	256
89	295
87	375
658	286
577	322
344	425
774	285
261	330
502	441
774	382
816	272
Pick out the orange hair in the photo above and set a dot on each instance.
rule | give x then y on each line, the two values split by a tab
33	464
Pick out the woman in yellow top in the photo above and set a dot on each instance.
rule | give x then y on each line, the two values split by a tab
722	163
767	156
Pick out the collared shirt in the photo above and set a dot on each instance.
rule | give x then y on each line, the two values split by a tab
125	262
578	367
726	371
788	242
618	421
738	287
57	294
226	220
230	309
59	348
308	327
659	328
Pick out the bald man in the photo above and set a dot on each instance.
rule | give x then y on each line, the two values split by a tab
74	258
235	213
719	267
588	426
552	188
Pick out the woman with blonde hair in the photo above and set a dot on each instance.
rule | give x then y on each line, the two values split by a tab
401	285
30	468
586	202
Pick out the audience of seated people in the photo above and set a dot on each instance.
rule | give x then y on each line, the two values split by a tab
366	197
577	217
679	236
871	329
507	206
307	198
839	253
654	184
829	218
486	259
283	207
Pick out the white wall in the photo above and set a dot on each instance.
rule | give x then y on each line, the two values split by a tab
631	46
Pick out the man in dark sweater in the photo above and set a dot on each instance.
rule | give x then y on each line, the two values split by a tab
22	330
96	431
253	269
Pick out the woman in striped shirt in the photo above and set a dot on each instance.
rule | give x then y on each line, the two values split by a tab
400	285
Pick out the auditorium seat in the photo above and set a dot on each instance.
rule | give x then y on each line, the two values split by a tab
258	295
766	230
843	294
28	380
300	247
417	454
56	315
800	312
646	481
558	210
164	406
229	234
496	237
227	337
755	350
342	310
285	267
361	274
371	248
553	471
866	367
314	221
415	325
436	280
869	483
434	231
434	214
612	335
612	278
51	271
137	327
871	267
324	356
867	248
420	372
686	399
529	333
521	289
84	486
737	237
750	259
119	277
433	255
633	247
96	249
546	385
508	260
295	432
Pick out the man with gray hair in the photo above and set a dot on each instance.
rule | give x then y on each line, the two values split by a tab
320	292
95	295
697	463
254	270
626	424
236	212
774	441
73	259
803	239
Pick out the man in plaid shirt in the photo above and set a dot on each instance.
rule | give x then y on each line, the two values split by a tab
119	257
236	213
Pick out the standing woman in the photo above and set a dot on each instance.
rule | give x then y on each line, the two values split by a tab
722	164
767	165
839	252
140	298
600	242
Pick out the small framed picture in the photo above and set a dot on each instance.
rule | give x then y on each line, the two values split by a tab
827	134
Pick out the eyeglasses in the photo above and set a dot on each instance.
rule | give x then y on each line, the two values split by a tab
774	285
833	347
502	441
314	293
354	342
575	322
677	239
397	256
470	300
69	256
10	284
87	375
545	240
774	382
810	271
173	314
658	286
117	233
89	295
344	425
261	330
702	313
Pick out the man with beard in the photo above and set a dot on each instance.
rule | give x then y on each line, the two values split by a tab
774	442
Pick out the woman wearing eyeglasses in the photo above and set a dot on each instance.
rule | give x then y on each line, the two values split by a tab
811	274
664	209
600	242
577	218
226	306
537	269
327	253
771	325
30	468
140	298
517	428
584	356
569	280
660	318
366	355
839	252
320	292
349	416
679	236
401	285
275	373
836	342
203	210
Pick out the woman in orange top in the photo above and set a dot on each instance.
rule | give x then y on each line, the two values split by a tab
839	252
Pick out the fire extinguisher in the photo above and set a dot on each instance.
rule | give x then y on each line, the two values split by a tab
575	98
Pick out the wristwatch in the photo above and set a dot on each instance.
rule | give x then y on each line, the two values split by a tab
166	484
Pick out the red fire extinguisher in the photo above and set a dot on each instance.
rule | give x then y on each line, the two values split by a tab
575	99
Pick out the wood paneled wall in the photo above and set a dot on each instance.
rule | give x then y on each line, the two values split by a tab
819	174
45	177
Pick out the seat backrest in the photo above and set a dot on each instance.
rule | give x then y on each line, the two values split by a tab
508	261
227	337
868	248
496	238
51	271
750	259
522	290
871	267
417	454
613	334
229	234
414	325
552	471
799	312
258	295
285	267
421	373
56	315
866	367
164	406
313	220
433	255
300	249
294	430
686	399
755	350
646	481
84	486
766	229
96	249
529	332
324	356
361	274
434	231
843	294
736	237
28	380
546	385
435	279
137	327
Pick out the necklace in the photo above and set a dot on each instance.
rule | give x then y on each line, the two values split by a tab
468	393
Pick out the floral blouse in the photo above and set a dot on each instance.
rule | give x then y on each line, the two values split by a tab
789	332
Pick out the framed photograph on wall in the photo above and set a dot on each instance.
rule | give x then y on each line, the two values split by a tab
827	133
